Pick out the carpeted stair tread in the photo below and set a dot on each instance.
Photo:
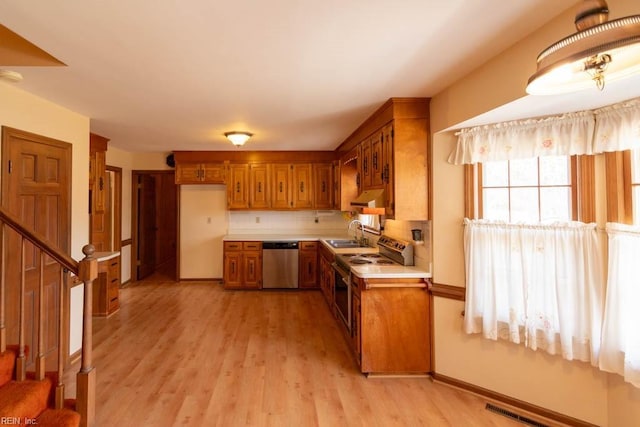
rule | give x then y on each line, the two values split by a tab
24	399
7	366
58	418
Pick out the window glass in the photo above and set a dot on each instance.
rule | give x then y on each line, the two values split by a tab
497	175
555	170
555	203
496	203
524	205
523	172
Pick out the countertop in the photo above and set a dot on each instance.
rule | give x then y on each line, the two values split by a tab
363	271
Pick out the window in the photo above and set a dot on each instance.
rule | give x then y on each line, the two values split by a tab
527	190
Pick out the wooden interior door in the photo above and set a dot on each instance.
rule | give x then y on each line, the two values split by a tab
146	262
36	188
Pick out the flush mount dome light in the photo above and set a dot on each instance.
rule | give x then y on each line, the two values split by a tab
238	138
600	49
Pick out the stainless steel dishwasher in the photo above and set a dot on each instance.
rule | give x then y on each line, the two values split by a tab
279	265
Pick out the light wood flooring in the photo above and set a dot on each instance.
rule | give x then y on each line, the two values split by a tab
192	354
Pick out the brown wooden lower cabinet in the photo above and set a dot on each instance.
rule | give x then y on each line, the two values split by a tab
390	331
242	265
106	288
327	276
308	265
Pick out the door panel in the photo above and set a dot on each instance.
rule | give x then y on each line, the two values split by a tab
146	225
36	188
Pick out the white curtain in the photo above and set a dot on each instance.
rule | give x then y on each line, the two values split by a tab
617	127
620	351
540	285
564	135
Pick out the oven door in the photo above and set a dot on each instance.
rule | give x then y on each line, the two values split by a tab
343	295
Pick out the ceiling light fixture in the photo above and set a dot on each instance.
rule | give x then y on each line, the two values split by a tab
238	138
601	48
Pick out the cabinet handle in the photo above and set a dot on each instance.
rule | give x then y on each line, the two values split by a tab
375	160
259	187
233	268
309	268
238	187
302	186
251	269
365	166
324	186
281	186
101	184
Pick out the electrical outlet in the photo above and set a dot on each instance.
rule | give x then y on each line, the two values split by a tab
257	220
208	220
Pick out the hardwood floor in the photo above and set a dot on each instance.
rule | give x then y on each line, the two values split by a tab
193	354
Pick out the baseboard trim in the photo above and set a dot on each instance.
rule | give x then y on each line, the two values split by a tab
510	401
202	279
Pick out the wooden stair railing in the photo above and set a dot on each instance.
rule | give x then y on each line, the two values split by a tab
87	271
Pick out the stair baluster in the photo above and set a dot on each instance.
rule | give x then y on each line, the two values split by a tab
64	280
40	359
3	303
21	361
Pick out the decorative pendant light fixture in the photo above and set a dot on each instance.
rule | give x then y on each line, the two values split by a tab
238	138
600	51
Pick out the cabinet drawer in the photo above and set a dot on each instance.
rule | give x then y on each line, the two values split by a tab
113	268
252	246
309	246
232	246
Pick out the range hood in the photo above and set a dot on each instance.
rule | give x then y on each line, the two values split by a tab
370	199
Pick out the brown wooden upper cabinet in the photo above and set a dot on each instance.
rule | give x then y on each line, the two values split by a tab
391	150
302	186
200	173
281	190
323	185
238	186
259	189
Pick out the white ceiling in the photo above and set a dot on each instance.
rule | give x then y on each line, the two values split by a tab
162	75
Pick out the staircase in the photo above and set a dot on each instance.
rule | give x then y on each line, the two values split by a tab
36	396
31	402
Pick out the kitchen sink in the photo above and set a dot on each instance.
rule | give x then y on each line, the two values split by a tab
341	244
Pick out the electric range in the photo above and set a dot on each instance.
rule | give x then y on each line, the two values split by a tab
391	252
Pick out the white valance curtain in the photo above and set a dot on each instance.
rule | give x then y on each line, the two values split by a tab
620	351
612	128
540	285
617	127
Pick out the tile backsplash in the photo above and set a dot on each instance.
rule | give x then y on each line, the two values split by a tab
277	222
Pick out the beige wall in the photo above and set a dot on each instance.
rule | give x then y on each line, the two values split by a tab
572	388
204	221
21	110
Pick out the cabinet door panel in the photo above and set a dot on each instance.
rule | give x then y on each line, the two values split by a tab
188	173
302	186
237	187
365	173
377	159
323	174
252	265
232	265
212	173
259	194
281	189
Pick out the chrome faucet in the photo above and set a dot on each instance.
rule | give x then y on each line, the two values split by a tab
362	240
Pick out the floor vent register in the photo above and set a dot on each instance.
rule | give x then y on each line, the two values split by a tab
514	416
